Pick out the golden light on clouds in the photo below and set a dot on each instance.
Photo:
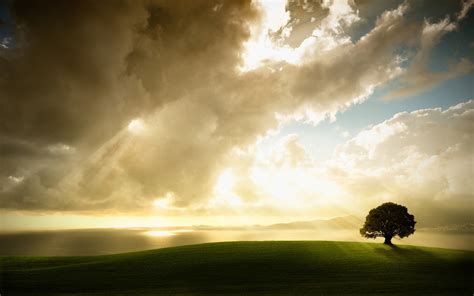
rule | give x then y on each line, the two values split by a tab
224	189
260	47
219	109
267	46
136	126
165	202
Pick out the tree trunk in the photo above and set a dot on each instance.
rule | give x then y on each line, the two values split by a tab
388	240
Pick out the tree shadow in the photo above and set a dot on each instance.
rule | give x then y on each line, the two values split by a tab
396	252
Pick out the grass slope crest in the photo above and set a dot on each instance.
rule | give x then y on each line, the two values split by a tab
251	268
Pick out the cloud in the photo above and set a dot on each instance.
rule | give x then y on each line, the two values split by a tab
466	6
418	76
354	68
110	108
421	158
284	181
85	69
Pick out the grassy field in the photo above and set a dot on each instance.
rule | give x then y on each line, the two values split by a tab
268	268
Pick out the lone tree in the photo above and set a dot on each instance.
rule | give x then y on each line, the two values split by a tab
388	220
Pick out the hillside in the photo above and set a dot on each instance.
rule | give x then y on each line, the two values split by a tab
290	267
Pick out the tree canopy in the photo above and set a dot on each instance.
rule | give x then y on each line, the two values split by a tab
388	220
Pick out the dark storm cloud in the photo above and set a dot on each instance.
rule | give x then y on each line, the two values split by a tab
67	77
84	69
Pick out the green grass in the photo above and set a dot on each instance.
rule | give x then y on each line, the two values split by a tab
269	268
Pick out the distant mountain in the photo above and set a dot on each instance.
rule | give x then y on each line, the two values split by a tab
464	228
341	223
346	222
350	222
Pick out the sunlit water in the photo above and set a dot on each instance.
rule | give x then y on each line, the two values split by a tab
109	241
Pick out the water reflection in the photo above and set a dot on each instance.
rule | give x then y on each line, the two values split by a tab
159	233
166	232
109	241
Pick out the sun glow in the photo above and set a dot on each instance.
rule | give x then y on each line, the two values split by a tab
267	45
136	126
165	202
160	233
224	189
260	47
296	187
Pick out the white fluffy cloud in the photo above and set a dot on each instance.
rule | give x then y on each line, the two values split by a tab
422	159
425	154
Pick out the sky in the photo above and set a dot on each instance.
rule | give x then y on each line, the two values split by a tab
149	113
